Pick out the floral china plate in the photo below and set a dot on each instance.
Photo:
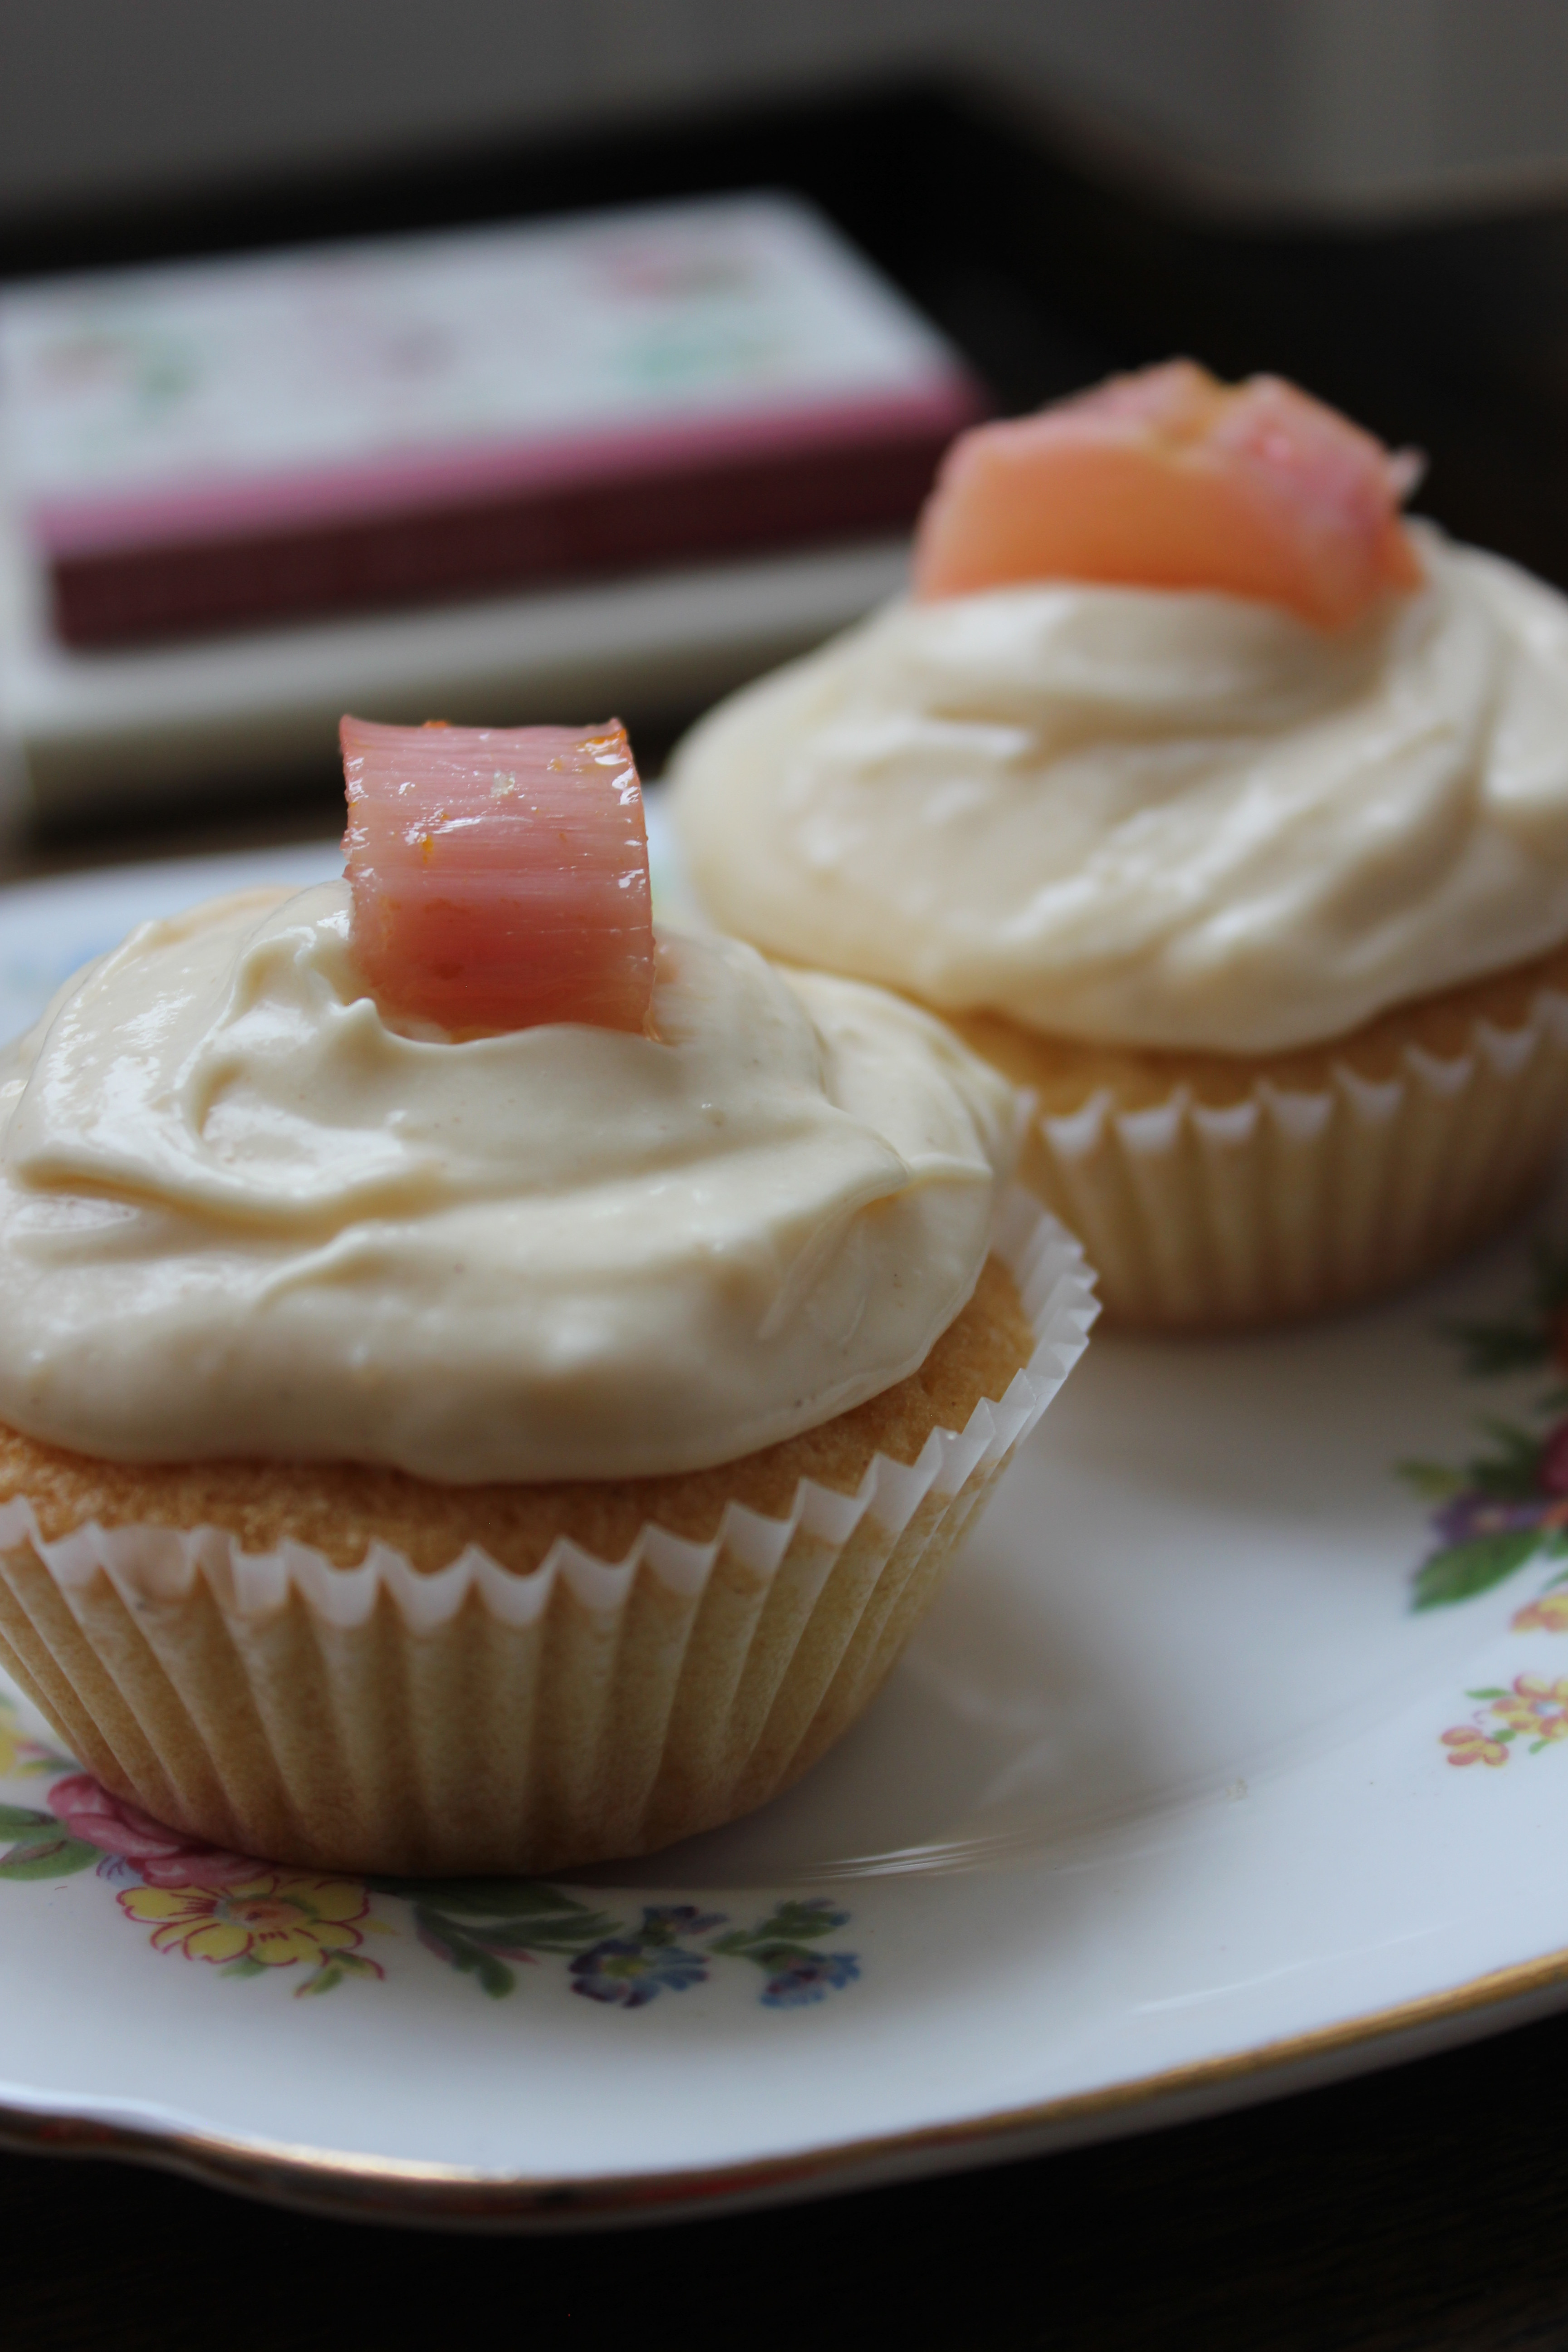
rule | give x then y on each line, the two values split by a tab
1233	1757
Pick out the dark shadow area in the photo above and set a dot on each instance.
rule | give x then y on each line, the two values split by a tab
1421	2209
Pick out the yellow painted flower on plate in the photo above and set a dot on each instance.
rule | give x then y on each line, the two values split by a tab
1536	1706
1547	1615
1469	1745
276	1919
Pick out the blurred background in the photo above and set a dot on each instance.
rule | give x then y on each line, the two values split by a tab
1370	195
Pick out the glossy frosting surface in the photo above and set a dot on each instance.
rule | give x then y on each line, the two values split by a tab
1150	816
240	1214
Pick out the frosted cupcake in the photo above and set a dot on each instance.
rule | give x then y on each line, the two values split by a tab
1214	803
484	1386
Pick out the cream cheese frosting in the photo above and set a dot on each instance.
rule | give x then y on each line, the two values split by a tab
242	1214
1154	817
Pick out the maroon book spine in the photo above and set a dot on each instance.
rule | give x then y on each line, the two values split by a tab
634	511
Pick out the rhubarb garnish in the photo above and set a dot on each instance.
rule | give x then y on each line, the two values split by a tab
499	874
1170	480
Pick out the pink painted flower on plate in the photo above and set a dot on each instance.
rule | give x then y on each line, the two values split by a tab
1547	1615
1469	1745
275	1919
162	1856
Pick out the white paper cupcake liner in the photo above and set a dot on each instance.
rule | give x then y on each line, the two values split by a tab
476	1719
1287	1202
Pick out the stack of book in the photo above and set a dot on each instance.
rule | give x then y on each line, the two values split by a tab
495	472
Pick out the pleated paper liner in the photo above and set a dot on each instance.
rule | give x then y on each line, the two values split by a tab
476	1719
1213	1194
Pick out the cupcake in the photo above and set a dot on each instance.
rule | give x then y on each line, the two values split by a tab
1215	804
485	1384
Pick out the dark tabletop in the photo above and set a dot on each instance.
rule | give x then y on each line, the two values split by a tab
1423	2207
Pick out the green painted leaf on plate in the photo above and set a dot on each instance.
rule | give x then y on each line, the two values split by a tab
1434	1480
14	1818
55	1857
483	1898
1463	1570
325	1979
446	1939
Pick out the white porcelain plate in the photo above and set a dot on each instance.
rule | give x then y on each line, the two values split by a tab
1234	1756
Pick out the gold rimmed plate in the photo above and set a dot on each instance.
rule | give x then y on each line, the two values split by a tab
1232	1757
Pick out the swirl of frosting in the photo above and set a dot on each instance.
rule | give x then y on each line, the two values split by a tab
1154	817
243	1215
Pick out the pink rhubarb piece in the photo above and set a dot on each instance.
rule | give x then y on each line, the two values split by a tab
500	874
1170	480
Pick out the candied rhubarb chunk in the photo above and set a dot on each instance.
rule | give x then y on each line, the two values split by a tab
1170	480
500	874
